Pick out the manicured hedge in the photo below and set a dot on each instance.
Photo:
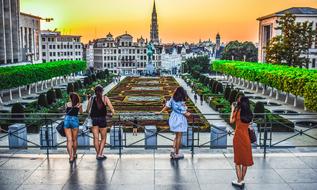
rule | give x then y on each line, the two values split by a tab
298	81
16	76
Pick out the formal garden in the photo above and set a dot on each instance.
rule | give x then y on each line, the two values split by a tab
138	98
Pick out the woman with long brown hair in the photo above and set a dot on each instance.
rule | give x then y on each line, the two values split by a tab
97	105
71	124
241	115
177	121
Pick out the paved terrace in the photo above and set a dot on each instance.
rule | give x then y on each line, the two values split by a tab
156	171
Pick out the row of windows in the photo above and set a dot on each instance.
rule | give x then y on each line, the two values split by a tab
112	65
125	51
114	58
61	39
62	53
69	59
62	46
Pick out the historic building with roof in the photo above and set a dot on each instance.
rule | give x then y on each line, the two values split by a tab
267	30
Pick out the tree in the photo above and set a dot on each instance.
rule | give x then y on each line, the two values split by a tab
242	51
292	46
199	64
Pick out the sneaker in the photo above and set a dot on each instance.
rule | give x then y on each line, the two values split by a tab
236	183
178	156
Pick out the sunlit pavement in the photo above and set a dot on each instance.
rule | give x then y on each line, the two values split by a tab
289	170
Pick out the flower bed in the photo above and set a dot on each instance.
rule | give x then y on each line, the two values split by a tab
140	97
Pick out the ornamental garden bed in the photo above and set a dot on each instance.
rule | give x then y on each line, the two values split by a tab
140	97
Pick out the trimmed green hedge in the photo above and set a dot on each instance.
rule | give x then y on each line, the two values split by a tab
15	76
298	81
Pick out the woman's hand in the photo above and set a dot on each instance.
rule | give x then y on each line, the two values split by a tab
232	108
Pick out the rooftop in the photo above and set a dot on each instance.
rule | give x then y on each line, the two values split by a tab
297	11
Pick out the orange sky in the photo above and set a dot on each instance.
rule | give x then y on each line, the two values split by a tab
179	20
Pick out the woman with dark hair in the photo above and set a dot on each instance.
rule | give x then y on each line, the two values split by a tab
97	105
177	121
241	115
71	124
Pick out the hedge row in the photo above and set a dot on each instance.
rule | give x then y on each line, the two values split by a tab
297	81
15	76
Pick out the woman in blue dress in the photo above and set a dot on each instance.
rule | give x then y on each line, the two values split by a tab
177	121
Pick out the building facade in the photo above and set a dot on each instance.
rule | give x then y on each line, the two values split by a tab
172	58
58	47
30	38
123	56
9	31
267	30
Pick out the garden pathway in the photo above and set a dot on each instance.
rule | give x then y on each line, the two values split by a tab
204	108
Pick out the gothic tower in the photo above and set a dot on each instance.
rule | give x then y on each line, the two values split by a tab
154	27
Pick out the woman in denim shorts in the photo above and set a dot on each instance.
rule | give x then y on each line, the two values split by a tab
98	111
71	124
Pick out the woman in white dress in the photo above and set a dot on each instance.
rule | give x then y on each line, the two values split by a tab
177	121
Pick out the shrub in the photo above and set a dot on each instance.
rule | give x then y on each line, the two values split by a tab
51	96
42	100
87	81
227	92
311	96
93	77
219	88
80	84
233	95
259	110
76	86
58	93
70	88
17	111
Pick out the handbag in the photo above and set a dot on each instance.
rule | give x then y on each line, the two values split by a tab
88	120
252	135
60	126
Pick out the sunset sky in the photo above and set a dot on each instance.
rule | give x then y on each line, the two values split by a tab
179	20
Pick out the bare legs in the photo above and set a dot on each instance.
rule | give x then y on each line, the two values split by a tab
135	131
71	135
241	172
99	145
103	132
177	142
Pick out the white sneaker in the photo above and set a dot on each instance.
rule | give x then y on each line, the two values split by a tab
178	156
236	183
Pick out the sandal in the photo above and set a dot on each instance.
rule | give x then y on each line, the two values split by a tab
75	156
71	161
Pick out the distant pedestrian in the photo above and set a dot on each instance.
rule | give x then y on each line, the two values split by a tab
241	115
135	127
177	121
71	125
201	99
195	98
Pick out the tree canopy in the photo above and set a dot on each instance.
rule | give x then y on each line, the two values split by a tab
200	64
292	46
238	50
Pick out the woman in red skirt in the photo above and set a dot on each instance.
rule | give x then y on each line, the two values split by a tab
241	115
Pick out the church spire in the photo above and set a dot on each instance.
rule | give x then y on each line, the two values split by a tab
154	26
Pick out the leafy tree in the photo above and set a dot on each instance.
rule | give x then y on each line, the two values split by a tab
197	64
291	47
238	50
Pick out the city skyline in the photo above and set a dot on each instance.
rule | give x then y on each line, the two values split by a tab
179	20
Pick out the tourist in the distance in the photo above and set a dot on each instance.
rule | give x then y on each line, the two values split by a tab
135	127
241	115
71	124
177	121
97	105
195	98
201	99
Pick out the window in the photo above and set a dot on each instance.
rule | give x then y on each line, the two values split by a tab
44	54
43	47
43	39
313	63
122	43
